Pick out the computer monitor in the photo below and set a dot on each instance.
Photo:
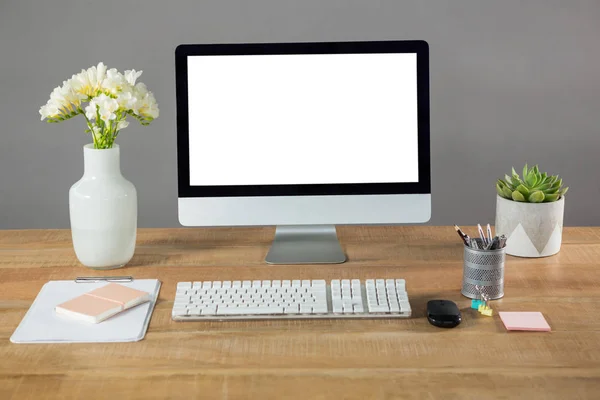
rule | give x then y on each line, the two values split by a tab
303	136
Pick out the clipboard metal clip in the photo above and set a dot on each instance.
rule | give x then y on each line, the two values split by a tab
91	279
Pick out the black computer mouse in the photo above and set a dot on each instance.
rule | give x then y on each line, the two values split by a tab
443	313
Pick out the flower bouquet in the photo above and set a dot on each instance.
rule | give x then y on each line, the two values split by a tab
110	97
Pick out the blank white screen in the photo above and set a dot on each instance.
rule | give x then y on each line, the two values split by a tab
302	119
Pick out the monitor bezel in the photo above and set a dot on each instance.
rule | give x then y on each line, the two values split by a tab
421	48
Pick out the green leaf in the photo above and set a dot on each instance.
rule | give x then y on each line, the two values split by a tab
536	170
544	177
516	182
517	196
557	184
525	170
565	190
548	198
507	192
536	197
531	180
514	173
550	191
523	190
508	180
543	187
500	190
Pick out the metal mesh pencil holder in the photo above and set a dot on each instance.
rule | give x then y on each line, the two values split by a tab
483	268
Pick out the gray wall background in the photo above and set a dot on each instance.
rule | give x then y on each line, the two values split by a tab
511	82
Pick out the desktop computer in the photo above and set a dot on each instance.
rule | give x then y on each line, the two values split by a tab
303	136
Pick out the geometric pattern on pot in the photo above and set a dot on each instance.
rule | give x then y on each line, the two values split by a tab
521	244
538	220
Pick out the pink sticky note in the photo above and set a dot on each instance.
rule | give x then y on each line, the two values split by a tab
524	321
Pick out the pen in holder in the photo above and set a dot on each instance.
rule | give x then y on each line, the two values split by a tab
483	269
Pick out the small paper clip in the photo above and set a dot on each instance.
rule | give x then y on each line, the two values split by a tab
482	306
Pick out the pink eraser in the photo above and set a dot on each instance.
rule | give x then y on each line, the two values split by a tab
124	295
524	321
89	308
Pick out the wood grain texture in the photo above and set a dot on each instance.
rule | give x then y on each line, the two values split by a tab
361	359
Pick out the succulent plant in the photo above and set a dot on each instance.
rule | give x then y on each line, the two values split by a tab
534	187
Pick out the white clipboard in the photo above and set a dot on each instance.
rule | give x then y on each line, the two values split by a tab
41	324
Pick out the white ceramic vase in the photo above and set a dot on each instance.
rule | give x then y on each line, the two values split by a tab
103	211
532	229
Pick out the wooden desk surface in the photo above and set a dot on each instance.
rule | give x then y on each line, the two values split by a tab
316	359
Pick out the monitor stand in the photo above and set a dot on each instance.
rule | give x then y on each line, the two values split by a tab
306	244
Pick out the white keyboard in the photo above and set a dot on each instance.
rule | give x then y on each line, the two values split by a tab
230	300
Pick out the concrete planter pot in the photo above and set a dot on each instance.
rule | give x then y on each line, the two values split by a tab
533	229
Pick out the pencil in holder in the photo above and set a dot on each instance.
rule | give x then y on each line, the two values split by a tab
483	268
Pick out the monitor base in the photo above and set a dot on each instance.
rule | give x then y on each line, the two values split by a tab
306	244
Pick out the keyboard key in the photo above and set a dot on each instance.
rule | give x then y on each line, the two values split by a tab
305	308
184	285
211	310
237	284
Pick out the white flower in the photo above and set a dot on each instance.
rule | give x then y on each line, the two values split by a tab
132	75
107	116
88	82
147	106
97	74
140	90
122	125
90	111
103	105
49	110
100	72
128	101
63	100
114	82
106	107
